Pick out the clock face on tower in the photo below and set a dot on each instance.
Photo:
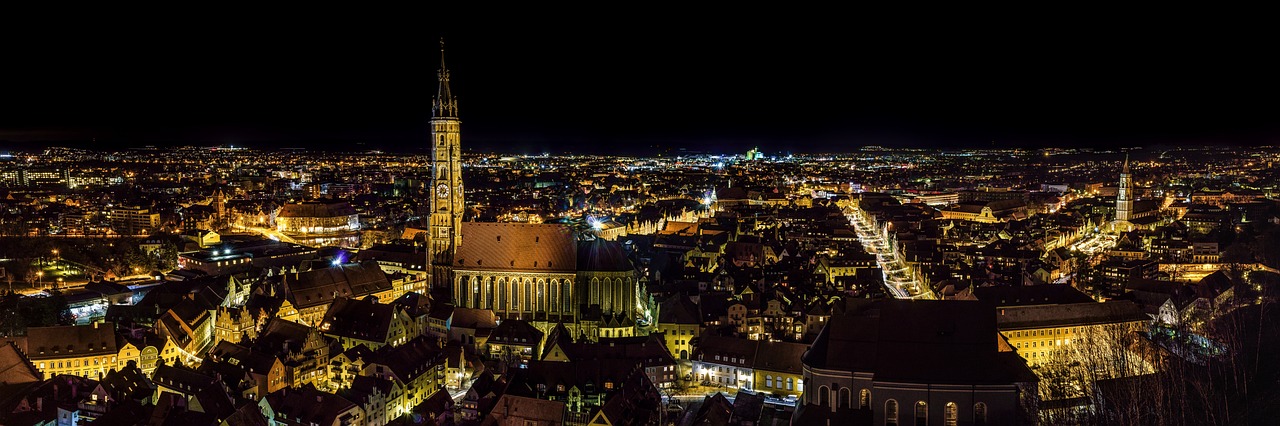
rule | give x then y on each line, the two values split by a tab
442	191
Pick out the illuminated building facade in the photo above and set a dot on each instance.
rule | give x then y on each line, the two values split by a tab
446	177
1045	333
134	220
1124	195
320	223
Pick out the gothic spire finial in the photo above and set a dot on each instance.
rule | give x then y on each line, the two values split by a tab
444	105
1126	163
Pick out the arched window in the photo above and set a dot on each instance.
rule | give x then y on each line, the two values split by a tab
891	413
567	293
553	296
979	414
864	399
500	293
922	413
488	293
949	415
475	301
824	396
846	399
768	381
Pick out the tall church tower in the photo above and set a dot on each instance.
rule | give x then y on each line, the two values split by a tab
446	178
1124	196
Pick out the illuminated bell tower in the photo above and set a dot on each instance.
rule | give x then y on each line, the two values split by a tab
1124	196
446	178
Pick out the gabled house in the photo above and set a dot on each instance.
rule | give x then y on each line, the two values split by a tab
308	406
127	385
303	350
198	392
365	322
265	373
416	366
382	400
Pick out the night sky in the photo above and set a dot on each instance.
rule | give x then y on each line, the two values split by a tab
633	86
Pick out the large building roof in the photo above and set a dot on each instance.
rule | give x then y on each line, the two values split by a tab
1049	294
358	319
648	350
602	255
780	356
69	340
316	209
1070	315
309	406
942	342
517	247
15	368
321	286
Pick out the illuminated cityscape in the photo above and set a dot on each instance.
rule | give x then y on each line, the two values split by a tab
441	283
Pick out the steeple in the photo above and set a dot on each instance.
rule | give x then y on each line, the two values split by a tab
445	192
1124	194
444	105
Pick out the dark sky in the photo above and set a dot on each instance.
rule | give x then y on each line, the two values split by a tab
623	83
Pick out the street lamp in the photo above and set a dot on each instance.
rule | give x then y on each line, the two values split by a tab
40	276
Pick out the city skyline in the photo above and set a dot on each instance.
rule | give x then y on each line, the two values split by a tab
716	88
449	286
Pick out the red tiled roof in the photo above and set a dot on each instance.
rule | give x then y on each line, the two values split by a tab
517	247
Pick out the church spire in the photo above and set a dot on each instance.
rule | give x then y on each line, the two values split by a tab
1126	164
444	105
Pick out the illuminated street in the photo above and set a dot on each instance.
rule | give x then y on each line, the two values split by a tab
898	278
